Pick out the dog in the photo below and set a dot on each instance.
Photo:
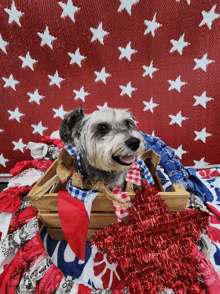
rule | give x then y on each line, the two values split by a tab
108	141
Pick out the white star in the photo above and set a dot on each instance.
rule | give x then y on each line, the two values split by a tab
150	105
149	70
10	82
47	39
28	61
152	26
202	100
19	145
59	112
126	52
188	1
15	114
98	34
203	62
178	119
105	106
76	57
102	75
69	9
3	160
127	90
179	151
177	84
209	17
55	79
127	4
35	97
81	94
202	135
14	14
3	44
153	134
39	128
1	130
179	45
200	164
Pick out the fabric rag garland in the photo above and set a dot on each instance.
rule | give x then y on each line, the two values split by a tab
154	249
38	274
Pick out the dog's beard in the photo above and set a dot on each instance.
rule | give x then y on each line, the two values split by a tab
111	153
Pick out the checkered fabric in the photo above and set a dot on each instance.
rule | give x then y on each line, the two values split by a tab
138	172
72	151
121	212
78	193
145	173
134	175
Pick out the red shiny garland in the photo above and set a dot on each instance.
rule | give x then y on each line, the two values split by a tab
154	249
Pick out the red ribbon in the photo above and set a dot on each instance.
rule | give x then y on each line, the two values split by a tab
57	142
75	222
207	272
10	198
36	163
50	281
21	218
10	278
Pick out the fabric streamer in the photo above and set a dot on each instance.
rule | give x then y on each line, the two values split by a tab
10	198
74	216
42	165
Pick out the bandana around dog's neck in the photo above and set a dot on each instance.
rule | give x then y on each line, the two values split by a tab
132	176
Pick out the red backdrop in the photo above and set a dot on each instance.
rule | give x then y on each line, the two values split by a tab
158	58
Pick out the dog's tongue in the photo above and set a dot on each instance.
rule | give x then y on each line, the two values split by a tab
127	159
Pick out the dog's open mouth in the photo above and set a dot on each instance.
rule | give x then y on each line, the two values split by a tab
124	160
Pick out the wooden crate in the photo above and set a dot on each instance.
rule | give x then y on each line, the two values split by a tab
102	213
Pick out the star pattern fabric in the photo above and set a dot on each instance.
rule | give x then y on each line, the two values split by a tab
160	61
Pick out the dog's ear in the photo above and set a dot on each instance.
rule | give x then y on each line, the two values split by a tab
71	124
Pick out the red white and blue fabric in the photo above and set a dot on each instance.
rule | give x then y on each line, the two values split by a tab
97	272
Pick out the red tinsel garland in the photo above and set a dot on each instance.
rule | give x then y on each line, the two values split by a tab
154	249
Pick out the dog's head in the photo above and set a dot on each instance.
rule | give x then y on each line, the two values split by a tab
107	138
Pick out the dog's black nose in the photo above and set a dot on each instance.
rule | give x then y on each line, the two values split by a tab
133	143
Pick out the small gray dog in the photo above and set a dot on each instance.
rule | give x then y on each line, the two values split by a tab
108	141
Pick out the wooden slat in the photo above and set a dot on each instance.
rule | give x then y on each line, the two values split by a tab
51	171
48	202
97	220
176	199
57	234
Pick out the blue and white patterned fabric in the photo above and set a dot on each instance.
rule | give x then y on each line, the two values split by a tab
145	173
77	192
73	151
173	167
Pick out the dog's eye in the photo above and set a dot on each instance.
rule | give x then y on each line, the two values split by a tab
127	123
103	128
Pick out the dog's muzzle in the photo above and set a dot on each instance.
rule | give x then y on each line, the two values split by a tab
133	144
